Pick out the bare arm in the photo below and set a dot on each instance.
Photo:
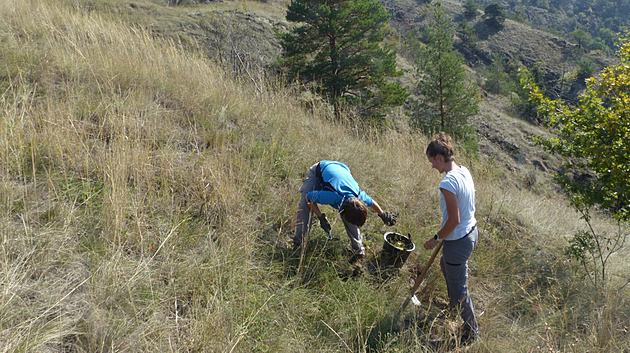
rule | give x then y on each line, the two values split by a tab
376	208
452	208
313	206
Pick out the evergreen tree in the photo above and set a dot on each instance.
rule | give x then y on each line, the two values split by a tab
470	9
467	34
582	38
337	44
446	99
495	15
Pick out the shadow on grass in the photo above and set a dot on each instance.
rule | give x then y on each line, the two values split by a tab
404	326
428	327
310	262
413	328
319	255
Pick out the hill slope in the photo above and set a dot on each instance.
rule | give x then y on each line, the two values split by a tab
148	198
240	35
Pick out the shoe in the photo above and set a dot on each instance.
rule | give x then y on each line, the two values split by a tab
468	338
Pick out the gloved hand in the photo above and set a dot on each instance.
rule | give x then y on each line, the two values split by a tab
389	218
323	222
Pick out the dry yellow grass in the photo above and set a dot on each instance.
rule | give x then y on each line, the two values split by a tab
147	201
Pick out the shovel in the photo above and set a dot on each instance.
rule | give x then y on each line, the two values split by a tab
412	296
420	278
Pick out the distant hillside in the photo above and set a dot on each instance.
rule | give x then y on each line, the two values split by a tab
596	21
514	41
240	36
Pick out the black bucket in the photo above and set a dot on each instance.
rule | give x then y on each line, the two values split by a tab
396	249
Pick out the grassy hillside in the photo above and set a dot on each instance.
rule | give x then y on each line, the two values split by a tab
240	36
148	200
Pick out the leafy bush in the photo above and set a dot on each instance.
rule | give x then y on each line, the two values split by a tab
594	140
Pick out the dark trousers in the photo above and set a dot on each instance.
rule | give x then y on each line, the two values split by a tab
454	264
305	217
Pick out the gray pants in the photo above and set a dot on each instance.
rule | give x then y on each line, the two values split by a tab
305	217
454	264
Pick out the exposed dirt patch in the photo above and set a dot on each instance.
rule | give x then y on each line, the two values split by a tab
507	140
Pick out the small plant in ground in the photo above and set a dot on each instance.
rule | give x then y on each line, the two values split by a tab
593	249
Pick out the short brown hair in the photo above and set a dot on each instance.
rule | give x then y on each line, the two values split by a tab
355	211
441	144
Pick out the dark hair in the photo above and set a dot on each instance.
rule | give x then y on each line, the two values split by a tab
355	211
441	144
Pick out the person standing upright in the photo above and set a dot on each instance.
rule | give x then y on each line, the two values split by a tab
459	229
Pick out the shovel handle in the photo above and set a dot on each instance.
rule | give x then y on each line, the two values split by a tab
426	269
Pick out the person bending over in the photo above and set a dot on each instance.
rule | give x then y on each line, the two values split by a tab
331	183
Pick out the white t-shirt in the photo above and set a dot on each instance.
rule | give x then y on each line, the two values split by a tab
460	183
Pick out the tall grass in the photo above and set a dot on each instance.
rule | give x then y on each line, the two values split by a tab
148	201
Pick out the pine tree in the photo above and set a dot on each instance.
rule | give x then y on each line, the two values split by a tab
446	100
337	44
495	15
470	9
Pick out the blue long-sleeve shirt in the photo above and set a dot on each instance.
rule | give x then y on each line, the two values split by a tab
338	186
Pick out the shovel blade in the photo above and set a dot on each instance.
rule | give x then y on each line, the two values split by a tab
415	300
